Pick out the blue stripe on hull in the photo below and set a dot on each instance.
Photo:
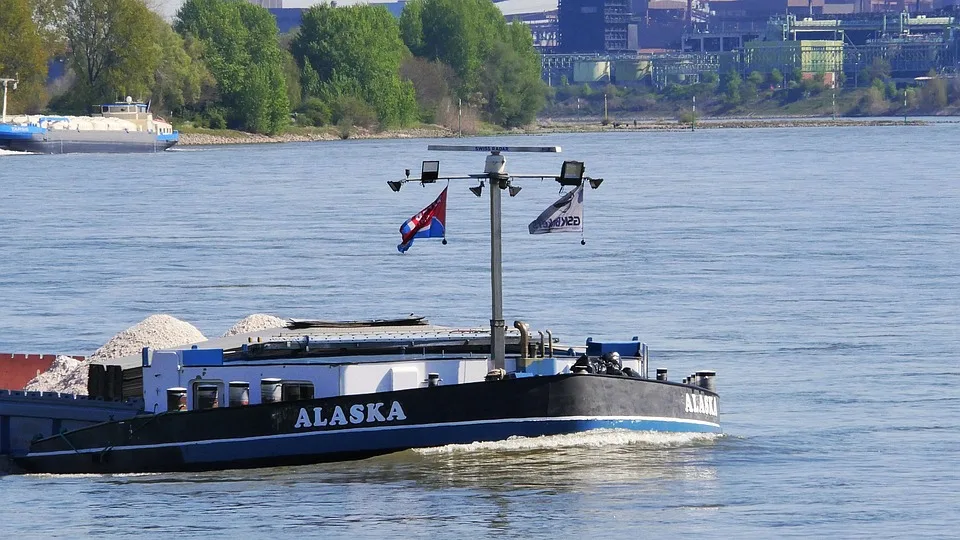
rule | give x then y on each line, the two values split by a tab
318	443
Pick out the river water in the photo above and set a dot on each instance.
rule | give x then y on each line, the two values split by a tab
814	268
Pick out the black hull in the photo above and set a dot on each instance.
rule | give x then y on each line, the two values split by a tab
311	431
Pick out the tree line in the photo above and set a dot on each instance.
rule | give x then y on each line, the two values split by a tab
790	92
223	63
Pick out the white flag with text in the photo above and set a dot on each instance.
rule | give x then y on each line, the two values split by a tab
565	215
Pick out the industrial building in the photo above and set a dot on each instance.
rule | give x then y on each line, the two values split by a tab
594	26
663	41
602	26
679	40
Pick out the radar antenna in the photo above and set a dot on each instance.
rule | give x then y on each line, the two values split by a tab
495	173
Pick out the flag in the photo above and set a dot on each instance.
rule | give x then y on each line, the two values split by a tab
428	223
565	215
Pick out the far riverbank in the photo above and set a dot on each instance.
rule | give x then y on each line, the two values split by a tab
201	137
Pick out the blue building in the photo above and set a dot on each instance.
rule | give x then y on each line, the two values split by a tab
593	26
289	18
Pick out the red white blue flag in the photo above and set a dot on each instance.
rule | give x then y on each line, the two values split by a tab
428	223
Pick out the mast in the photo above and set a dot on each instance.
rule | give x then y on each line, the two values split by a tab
495	173
5	82
497	325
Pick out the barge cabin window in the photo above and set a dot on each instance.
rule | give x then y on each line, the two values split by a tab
206	394
297	390
275	390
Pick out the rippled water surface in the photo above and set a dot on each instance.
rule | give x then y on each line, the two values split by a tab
814	269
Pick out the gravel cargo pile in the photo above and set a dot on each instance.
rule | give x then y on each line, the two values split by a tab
255	323
157	331
61	377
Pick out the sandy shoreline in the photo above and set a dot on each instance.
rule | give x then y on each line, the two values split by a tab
545	126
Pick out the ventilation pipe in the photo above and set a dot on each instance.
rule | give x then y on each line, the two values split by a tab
524	329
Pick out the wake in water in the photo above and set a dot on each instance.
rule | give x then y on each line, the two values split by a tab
589	439
4	152
88	475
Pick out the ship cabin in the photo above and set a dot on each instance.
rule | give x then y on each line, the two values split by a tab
125	110
314	363
138	113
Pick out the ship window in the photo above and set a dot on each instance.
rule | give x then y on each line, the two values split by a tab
297	390
239	394
176	399
270	390
207	394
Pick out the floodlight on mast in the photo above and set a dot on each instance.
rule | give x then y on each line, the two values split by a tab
494	171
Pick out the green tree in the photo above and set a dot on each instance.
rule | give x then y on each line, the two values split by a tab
511	85
752	85
355	52
953	90
431	82
913	98
495	63
796	75
813	86
48	14
181	76
933	94
460	33
242	51
872	103
313	112
880	86
879	69
23	54
775	78
113	50
513	98
411	27
291	75
730	85
892	92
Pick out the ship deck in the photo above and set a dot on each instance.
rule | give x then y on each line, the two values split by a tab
339	333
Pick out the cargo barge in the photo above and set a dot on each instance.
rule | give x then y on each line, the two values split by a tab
318	391
122	127
326	393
